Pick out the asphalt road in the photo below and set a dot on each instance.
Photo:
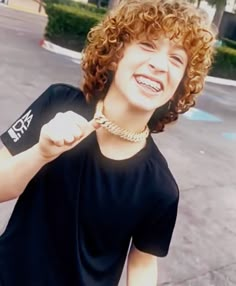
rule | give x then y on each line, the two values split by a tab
201	154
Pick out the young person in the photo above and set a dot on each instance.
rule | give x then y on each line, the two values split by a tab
87	173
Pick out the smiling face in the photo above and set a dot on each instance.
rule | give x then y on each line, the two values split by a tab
149	73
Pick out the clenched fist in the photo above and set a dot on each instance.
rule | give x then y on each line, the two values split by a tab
63	133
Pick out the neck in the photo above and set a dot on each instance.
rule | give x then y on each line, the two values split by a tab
117	110
123	114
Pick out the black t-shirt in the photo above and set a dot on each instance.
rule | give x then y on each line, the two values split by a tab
73	223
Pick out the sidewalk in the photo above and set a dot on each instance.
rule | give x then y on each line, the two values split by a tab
30	6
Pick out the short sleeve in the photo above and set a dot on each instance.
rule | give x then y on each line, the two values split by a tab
25	131
154	236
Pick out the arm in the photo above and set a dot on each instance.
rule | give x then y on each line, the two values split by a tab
17	171
61	134
141	268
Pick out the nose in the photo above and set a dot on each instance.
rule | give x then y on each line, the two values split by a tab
159	62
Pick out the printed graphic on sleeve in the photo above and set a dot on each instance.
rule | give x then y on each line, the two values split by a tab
21	126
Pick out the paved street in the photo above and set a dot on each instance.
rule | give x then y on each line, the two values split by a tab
201	150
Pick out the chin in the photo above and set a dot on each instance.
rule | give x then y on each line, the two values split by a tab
143	105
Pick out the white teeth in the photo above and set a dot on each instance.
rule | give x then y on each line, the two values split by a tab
153	84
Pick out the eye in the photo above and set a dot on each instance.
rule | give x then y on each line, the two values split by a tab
178	59
147	46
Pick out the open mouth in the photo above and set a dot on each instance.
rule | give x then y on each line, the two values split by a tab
149	85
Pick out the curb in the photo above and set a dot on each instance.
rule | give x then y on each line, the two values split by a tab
22	9
221	81
76	58
59	50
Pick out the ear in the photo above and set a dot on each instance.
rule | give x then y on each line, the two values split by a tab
112	67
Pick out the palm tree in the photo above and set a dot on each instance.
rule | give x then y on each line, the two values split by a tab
198	3
220	8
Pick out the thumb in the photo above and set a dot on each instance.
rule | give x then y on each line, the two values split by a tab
92	126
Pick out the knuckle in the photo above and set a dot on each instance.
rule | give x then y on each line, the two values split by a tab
78	134
81	132
70	113
69	140
58	143
59	115
45	130
58	140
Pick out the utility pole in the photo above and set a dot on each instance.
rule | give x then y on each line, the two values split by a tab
112	4
40	6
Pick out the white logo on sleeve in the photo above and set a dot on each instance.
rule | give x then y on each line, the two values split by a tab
21	126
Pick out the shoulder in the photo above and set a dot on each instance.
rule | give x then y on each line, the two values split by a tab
63	92
62	97
63	87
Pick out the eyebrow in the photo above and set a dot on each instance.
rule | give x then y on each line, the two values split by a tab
174	46
177	46
180	48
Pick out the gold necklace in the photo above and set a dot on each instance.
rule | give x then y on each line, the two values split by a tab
113	128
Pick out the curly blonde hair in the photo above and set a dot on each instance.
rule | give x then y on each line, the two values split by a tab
177	20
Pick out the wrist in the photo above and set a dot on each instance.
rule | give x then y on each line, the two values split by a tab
38	155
